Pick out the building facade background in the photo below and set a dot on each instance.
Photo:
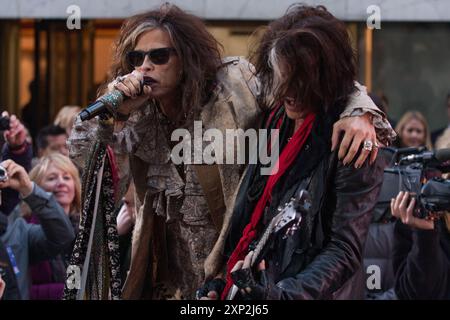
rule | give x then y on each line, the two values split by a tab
406	60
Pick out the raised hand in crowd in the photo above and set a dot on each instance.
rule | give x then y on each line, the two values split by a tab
18	149
17	178
16	135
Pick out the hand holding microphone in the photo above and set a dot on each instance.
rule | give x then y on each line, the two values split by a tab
133	87
124	95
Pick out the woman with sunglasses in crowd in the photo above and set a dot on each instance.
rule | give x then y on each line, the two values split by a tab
185	80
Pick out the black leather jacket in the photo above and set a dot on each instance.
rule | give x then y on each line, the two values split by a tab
421	261
323	259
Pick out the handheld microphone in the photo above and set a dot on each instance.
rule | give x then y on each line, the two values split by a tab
109	102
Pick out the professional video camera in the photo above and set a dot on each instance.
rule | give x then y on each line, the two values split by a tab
417	171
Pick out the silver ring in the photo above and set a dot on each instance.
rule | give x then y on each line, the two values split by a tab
368	145
118	80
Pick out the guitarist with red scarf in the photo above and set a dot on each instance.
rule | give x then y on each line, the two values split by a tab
306	63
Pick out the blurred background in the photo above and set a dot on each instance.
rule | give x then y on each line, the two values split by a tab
44	65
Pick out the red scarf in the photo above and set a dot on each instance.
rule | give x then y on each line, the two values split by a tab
287	157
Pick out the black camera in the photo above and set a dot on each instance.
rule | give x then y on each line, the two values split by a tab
3	174
418	172
4	123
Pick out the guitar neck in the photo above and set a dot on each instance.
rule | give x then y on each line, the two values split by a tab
262	242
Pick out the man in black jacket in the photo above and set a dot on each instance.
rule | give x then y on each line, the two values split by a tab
421	256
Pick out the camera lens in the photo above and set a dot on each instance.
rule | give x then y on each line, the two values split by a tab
3	174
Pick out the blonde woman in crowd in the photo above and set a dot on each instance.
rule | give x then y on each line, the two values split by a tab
66	117
57	174
413	131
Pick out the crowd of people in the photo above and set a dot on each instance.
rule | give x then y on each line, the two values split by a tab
40	209
189	231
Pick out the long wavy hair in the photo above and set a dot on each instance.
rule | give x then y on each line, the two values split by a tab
198	51
307	50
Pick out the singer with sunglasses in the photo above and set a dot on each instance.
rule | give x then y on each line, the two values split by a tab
170	71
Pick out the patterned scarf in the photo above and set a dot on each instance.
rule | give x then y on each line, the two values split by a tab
94	270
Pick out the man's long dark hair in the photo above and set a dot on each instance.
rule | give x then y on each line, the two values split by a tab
309	52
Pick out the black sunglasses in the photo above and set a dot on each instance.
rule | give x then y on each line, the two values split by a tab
157	56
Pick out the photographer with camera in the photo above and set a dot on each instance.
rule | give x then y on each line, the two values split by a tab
421	255
413	138
18	149
30	243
